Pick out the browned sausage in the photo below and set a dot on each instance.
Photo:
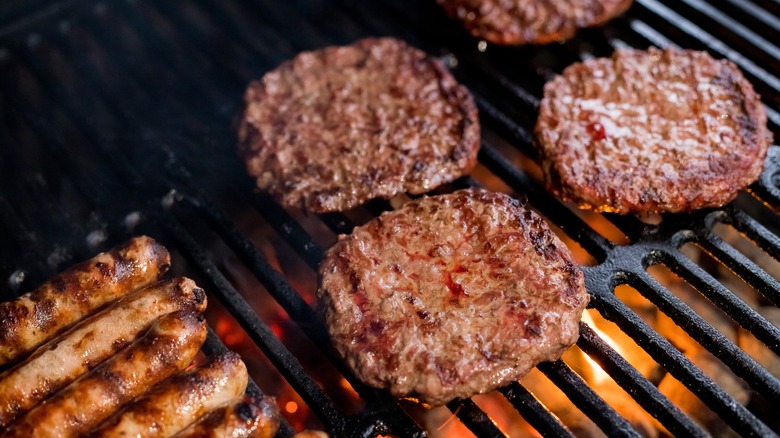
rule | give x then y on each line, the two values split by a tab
37	316
311	434
169	347
249	416
91	342
174	404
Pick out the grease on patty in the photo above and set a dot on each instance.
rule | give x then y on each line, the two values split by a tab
451	296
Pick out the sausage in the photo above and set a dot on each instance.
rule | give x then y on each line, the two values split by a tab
167	348
91	342
311	434
35	317
249	416
179	401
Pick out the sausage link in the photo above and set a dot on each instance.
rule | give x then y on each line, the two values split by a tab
169	347
311	434
174	404
35	317
249	416
91	342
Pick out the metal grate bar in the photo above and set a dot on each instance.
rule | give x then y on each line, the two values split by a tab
756	232
214	346
586	399
768	186
260	333
663	352
718	294
593	242
756	12
474	418
685	25
298	309
274	282
288	227
734	26
748	271
645	393
710	338
722	297
533	411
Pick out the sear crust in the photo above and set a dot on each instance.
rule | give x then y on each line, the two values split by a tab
35	317
336	127
179	401
510	22
651	132
168	347
247	417
451	296
90	342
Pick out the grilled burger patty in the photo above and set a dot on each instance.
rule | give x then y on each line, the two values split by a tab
651	131
531	21
336	127
451	296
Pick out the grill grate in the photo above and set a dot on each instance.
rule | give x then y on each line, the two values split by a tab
116	120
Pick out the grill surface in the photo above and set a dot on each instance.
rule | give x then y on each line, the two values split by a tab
116	120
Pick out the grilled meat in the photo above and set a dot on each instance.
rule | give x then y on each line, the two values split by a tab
651	131
35	317
531	21
90	342
247	417
335	127
180	401
167	348
451	296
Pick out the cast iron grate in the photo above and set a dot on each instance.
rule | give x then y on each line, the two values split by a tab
116	119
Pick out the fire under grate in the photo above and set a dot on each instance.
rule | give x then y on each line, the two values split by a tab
117	120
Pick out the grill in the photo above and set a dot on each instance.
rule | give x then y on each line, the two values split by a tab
117	120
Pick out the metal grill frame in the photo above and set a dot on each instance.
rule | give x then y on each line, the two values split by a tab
76	56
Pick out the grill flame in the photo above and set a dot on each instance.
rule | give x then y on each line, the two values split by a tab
599	376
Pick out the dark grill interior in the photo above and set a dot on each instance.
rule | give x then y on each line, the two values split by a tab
117	120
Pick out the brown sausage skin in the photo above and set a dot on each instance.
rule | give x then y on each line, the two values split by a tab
35	317
167	348
90	342
174	404
249	416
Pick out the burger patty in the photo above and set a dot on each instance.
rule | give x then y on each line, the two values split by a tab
531	21
651	131
450	296
336	127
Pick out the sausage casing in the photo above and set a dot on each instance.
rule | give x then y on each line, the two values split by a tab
35	317
90	342
168	347
179	401
249	416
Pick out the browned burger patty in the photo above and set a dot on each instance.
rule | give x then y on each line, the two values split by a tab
531	21
651	131
451	296
336	127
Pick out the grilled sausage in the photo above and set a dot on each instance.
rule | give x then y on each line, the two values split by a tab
169	347
91	342
247	417
311	434
179	401
35	317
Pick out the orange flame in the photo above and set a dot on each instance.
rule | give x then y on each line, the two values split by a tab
599	375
